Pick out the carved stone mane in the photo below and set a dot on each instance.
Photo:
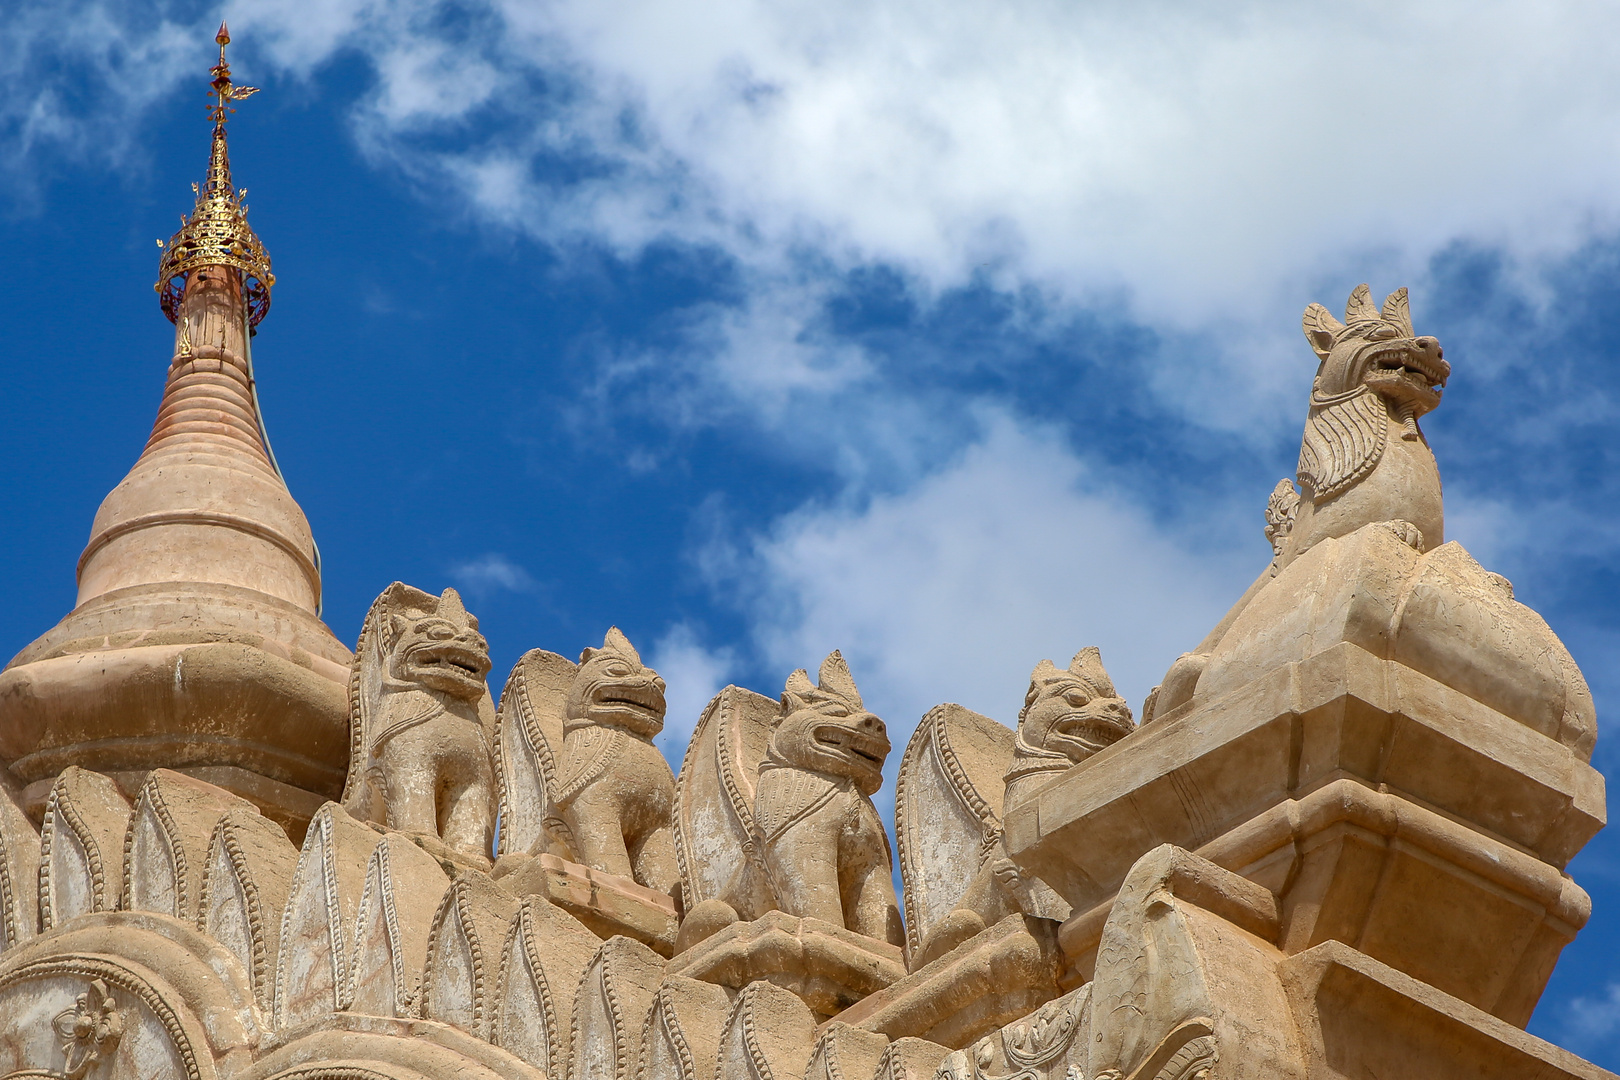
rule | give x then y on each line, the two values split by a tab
1362	457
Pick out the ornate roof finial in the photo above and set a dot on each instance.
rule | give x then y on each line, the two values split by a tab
217	233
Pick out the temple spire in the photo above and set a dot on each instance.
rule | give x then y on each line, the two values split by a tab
217	232
196	643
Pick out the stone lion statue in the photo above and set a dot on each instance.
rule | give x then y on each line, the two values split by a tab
818	848
421	721
1069	714
1363	459
581	777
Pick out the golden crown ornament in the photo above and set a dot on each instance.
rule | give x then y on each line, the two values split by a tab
217	232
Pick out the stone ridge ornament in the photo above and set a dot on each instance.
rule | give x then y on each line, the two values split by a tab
1334	849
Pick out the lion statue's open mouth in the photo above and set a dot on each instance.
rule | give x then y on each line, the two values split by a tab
1082	733
455	666
1410	372
859	747
636	702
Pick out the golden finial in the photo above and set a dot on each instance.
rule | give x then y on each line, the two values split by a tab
217	232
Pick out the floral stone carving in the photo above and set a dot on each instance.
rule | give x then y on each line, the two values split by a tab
89	1030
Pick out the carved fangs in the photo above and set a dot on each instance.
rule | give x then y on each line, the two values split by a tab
872	749
1411	365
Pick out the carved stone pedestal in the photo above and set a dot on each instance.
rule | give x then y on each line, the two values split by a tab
606	903
827	967
989	981
1384	808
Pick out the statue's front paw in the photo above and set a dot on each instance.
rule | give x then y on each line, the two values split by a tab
960	925
703	922
1406	532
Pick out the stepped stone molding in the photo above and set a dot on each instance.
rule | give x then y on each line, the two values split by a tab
826	966
606	903
988	981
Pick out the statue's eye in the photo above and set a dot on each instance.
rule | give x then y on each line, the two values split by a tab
837	711
618	668
1382	333
1077	698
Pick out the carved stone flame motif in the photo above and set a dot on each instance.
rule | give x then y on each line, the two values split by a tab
88	1030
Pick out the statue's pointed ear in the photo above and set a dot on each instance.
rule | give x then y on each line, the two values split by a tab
794	696
615	641
1043	671
586	654
835	678
452	609
1088	665
1321	329
1397	311
1360	305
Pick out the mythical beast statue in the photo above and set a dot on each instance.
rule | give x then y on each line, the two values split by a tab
807	839
421	721
1362	458
580	775
1360	551
1069	714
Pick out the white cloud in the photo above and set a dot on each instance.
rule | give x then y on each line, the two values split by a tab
1206	168
1591	1023
692	675
954	589
491	573
1209	168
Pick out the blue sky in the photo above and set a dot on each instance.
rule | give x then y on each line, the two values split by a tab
954	336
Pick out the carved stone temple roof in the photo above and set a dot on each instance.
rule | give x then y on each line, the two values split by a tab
1331	845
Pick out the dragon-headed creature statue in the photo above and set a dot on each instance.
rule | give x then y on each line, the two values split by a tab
422	722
